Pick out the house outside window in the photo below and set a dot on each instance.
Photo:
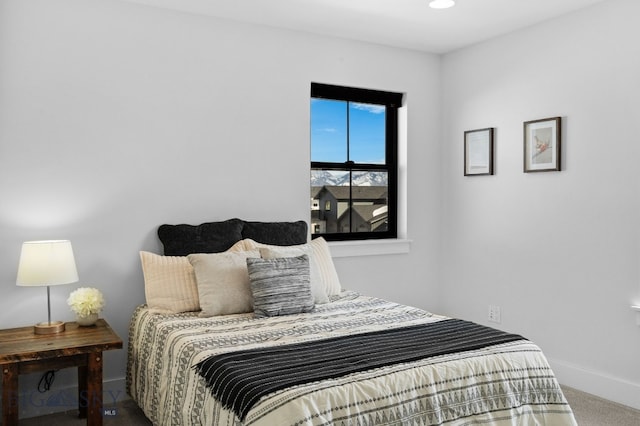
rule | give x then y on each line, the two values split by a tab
354	138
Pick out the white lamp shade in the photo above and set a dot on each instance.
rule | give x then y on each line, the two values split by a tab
44	263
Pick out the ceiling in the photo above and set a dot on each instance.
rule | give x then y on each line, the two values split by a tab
401	23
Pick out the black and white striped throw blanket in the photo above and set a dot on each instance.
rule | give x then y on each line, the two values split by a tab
239	379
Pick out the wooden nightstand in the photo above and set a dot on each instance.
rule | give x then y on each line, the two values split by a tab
22	351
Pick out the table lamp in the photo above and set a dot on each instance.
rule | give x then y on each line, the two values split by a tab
47	263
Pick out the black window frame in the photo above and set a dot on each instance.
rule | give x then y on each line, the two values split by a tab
392	101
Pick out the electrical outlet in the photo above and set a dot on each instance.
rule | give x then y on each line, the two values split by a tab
494	313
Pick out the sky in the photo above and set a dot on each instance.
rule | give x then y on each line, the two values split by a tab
329	132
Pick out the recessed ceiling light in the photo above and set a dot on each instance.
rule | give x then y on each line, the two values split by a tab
442	4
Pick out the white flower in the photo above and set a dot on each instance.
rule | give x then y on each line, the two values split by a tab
85	301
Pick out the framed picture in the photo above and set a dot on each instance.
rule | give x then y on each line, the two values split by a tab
478	152
542	143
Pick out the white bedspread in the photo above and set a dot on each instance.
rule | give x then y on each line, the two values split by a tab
508	384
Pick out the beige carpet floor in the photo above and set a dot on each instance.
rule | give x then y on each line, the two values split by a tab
589	410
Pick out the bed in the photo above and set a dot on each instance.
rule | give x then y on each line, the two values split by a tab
446	371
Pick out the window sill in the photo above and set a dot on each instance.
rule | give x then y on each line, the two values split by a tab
369	247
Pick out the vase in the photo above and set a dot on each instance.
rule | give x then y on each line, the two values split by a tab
88	320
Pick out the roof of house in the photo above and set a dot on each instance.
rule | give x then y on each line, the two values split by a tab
366	212
315	190
358	192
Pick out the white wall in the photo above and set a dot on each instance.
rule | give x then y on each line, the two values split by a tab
116	118
558	251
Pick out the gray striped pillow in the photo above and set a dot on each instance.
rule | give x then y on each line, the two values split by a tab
280	286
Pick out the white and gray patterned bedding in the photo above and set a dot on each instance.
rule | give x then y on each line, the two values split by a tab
505	384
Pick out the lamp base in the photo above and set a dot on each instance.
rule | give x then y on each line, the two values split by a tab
48	327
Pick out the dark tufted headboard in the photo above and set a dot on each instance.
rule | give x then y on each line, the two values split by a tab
215	237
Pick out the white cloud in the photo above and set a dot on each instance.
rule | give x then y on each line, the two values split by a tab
374	109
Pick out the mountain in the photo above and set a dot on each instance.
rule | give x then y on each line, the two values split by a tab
323	177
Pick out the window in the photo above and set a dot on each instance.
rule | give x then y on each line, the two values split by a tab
354	138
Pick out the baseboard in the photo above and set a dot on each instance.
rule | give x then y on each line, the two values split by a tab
596	383
34	403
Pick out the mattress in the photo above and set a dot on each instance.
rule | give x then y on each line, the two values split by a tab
504	384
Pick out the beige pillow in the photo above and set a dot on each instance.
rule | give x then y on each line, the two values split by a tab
223	282
244	245
169	283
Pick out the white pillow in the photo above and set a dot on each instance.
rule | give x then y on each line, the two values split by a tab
223	282
328	273
324	278
277	252
169	283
